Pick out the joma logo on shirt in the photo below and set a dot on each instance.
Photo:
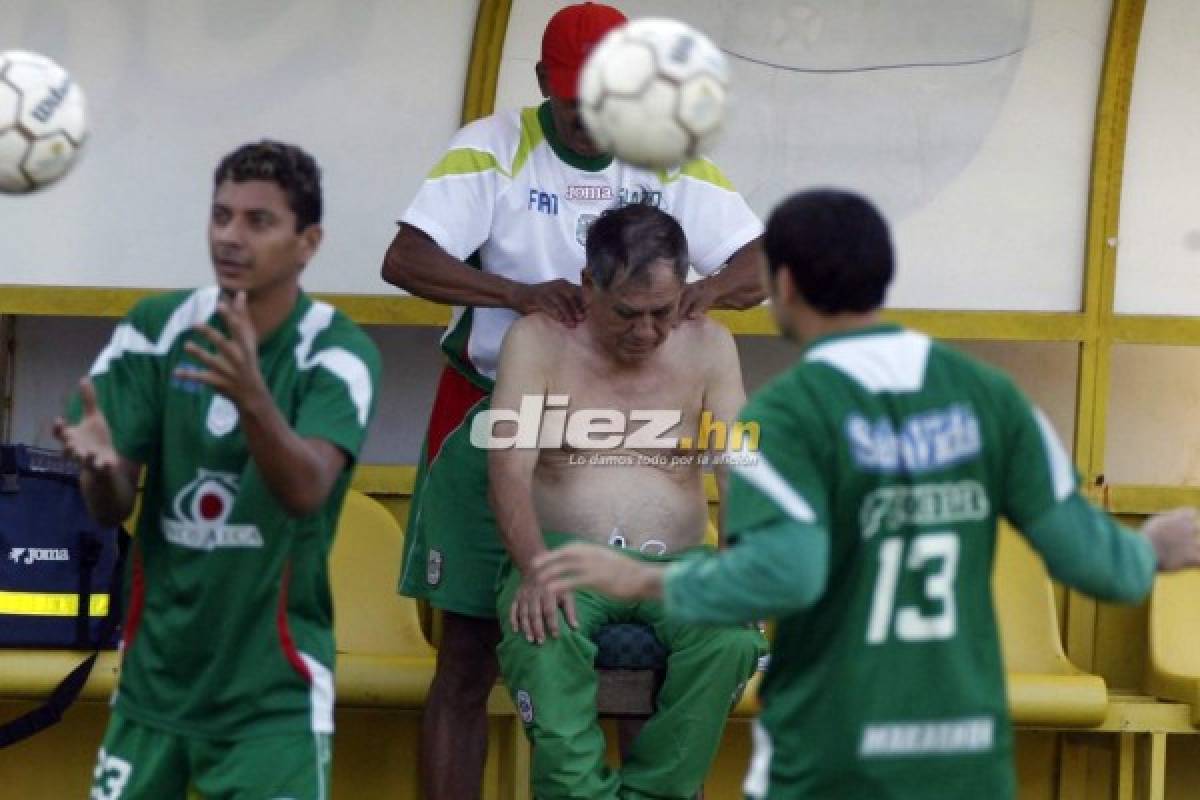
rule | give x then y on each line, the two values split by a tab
199	513
33	554
589	192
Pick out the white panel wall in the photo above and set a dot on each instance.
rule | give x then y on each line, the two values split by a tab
1158	251
983	167
1153	432
372	88
53	352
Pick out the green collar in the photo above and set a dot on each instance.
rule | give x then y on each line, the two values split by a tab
287	327
866	330
566	154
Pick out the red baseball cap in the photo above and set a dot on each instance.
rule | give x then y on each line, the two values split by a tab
570	35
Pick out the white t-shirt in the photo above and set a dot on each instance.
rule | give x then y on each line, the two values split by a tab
510	190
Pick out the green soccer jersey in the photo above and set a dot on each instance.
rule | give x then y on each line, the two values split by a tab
866	523
230	620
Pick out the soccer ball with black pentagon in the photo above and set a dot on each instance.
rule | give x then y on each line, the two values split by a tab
43	121
653	92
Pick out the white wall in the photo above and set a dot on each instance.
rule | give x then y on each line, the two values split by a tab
983	168
1040	113
1158	251
372	88
1153	435
53	352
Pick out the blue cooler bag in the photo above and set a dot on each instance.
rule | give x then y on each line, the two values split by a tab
60	572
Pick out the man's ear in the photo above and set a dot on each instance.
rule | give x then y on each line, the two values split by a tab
310	240
783	287
539	69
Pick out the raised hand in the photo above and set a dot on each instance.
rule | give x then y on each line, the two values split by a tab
559	298
90	441
233	368
697	298
603	569
1176	539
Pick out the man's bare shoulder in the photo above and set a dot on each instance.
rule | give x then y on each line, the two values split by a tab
537	333
705	335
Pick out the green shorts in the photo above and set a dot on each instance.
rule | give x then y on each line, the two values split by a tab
452	549
142	762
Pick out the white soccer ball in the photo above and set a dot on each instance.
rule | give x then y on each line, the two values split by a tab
653	92
43	121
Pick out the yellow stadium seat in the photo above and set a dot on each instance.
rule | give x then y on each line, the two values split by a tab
1044	687
1174	671
383	657
33	674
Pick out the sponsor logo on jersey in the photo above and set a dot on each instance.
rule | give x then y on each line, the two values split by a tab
943	737
28	555
433	568
188	384
525	706
222	416
199	513
925	442
581	227
629	197
590	193
543	202
891	508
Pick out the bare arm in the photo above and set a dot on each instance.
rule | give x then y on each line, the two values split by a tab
300	472
416	264
522	371
510	471
107	480
738	285
724	396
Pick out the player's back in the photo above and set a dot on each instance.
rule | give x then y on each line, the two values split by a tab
892	684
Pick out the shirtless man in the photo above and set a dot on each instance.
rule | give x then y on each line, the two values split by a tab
586	481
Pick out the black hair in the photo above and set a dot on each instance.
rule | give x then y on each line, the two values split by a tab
287	166
836	246
624	241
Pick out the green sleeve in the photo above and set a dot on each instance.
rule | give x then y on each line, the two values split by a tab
1038	473
1082	546
785	478
129	387
339	397
1088	550
777	570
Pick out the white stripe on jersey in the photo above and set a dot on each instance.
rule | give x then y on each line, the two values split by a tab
320	694
764	477
885	362
344	365
759	774
127	339
1061	471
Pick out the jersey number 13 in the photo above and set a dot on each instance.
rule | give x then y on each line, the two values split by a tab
910	624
